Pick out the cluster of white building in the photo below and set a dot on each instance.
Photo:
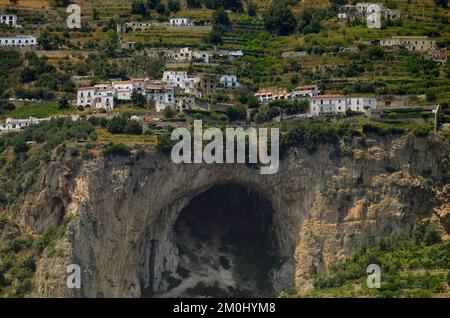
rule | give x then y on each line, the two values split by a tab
104	95
163	92
362	9
187	55
319	104
413	43
16	41
422	44
268	95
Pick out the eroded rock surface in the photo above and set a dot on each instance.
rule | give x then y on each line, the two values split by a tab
325	207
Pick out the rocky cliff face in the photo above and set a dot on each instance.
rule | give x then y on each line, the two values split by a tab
325	206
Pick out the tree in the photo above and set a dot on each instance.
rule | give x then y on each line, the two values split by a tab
251	9
280	19
442	3
60	3
68	86
116	125
165	143
194	3
138	7
220	17
215	37
28	74
19	143
236	112
174	5
95	14
261	117
116	150
138	99
6	106
169	112
63	103
309	23
133	128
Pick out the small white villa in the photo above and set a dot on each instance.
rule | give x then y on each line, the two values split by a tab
96	97
18	41
12	124
181	80
161	94
9	19
181	22
230	81
337	104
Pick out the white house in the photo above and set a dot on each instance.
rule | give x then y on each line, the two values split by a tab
180	22
230	81
202	55
12	124
236	55
332	104
185	102
181	80
268	95
305	91
184	55
139	84
413	43
9	19
342	16
133	26
123	89
18	41
363	7
99	98
174	79
361	104
338	104
161	94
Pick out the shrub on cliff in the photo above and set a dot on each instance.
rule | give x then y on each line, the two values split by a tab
421	131
113	149
382	129
165	143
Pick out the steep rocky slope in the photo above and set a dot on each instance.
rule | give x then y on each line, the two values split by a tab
322	207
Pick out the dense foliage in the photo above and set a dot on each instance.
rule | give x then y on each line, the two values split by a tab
413	264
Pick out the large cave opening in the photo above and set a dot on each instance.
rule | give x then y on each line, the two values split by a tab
227	245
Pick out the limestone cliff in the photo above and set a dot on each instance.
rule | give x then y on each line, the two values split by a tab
325	207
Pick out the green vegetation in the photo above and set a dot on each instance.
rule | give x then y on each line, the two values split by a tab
113	149
413	264
40	110
20	252
20	169
310	134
